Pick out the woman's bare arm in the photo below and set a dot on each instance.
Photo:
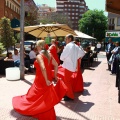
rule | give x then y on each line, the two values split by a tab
55	64
43	69
7	59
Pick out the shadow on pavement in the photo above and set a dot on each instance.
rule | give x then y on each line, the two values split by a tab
96	63
26	81
76	107
64	118
20	117
86	93
87	84
83	106
92	67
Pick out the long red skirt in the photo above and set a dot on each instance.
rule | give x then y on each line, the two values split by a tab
76	79
39	103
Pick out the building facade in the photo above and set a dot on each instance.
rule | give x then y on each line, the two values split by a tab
73	8
10	9
113	30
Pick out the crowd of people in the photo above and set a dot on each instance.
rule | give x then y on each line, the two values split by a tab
112	53
42	96
59	64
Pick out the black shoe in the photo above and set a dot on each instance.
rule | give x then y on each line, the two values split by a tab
108	69
67	98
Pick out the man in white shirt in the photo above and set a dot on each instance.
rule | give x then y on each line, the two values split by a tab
98	47
69	56
32	55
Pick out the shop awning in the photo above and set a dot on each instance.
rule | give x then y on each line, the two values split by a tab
113	6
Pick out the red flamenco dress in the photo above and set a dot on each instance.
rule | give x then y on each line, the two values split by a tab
53	51
40	99
76	79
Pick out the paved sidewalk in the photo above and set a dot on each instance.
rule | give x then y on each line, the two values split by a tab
99	101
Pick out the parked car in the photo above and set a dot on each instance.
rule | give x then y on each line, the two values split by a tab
29	44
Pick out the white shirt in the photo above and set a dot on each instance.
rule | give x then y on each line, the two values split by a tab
16	57
98	45
70	55
32	55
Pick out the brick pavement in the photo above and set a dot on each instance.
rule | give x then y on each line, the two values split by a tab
99	100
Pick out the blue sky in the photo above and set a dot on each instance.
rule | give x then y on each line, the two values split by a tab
92	4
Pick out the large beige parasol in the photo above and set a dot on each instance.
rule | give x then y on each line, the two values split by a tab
48	30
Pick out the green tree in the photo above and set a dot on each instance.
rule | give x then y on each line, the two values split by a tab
1	48
6	33
31	13
94	23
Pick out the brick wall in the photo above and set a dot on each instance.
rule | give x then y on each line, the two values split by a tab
2	8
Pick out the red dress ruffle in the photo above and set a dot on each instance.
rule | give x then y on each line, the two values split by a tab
76	80
40	99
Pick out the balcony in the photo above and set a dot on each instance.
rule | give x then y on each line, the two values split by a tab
111	26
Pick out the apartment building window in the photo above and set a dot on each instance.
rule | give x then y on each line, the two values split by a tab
81	6
81	10
11	16
72	17
6	13
10	5
76	9
6	2
15	8
118	21
113	21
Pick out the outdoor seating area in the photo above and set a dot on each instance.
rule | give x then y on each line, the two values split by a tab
90	56
4	65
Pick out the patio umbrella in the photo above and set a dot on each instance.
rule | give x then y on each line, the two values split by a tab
83	35
48	30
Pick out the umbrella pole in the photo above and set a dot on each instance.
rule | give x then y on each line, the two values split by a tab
22	39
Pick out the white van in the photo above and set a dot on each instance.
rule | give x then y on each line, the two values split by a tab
29	44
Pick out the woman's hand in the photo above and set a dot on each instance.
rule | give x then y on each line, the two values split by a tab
56	79
48	82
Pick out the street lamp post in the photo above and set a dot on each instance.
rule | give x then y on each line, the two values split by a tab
22	14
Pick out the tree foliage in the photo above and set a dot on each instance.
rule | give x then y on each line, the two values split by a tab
6	33
1	48
94	23
31	13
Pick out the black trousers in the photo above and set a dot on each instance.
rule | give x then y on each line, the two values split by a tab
108	57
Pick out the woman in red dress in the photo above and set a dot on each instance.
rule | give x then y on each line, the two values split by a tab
42	96
53	50
76	79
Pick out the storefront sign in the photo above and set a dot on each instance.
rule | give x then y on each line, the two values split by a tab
112	34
